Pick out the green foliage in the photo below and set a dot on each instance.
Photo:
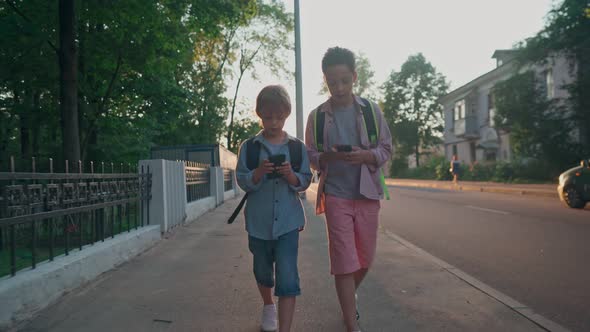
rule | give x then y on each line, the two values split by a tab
149	73
539	128
518	171
567	32
411	106
264	42
244	129
437	168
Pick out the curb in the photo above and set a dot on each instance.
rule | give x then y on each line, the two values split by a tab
506	300
468	187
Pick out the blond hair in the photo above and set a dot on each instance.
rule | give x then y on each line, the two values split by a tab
274	95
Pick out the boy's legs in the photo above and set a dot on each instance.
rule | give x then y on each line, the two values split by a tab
266	294
352	233
345	288
287	276
263	258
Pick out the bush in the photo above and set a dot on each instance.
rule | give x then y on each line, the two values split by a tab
517	171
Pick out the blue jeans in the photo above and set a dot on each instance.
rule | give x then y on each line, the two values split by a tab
282	253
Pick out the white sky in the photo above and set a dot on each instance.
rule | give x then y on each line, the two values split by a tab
457	36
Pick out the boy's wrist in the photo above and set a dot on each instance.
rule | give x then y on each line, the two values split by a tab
292	179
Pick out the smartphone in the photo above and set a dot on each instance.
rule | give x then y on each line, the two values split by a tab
277	159
344	148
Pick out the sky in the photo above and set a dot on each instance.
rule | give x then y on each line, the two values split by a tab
457	36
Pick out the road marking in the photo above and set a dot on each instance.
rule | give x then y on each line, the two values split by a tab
486	210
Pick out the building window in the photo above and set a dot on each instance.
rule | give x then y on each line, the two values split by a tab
550	86
490	156
491	110
455	150
459	110
472	150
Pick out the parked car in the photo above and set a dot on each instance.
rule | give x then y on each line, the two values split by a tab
574	185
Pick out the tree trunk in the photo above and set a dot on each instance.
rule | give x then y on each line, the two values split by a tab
417	155
36	123
233	109
68	81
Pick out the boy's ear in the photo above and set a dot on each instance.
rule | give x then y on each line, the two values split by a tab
354	76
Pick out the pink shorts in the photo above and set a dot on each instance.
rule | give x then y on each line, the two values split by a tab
352	233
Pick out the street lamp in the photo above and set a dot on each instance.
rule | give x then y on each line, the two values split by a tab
298	88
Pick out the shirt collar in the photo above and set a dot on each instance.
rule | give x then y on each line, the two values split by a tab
260	138
358	102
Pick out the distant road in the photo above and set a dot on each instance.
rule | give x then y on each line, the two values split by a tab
534	250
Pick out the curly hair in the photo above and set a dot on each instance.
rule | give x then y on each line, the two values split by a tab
338	56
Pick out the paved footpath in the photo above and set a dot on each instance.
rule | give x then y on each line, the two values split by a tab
199	279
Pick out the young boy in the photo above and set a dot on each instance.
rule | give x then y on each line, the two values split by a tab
350	184
274	213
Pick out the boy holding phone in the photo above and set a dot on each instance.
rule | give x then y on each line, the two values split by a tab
350	184
274	213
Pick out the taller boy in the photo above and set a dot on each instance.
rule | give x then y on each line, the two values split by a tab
350	184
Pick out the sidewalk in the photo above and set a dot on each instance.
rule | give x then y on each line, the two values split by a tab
199	279
543	190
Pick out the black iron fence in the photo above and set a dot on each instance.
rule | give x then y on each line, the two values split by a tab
228	176
44	215
197	181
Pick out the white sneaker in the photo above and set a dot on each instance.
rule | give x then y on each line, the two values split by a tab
269	318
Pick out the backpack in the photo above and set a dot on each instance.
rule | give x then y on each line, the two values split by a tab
252	157
370	123
371	127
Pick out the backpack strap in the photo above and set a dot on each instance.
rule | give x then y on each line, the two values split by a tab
252	154
318	124
295	147
370	121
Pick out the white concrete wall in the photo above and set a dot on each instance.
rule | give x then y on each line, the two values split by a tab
31	290
216	184
168	204
197	208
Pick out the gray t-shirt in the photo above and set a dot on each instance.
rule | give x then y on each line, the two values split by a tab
343	179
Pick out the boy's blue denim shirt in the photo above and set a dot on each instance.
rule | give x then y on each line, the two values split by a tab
273	207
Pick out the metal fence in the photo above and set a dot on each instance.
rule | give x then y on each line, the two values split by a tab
228	176
197	181
44	215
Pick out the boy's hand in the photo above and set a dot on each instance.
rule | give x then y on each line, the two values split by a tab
265	167
287	172
359	156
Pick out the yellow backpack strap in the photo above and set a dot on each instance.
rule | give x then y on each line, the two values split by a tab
370	121
372	129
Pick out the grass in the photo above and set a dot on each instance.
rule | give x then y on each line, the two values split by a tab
24	254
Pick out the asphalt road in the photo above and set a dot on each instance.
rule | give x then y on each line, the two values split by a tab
534	250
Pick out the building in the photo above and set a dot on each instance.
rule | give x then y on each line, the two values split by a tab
207	154
470	131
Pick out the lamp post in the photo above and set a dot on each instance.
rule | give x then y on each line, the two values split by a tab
298	88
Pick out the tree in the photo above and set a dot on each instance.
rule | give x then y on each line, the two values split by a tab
148	73
411	106
538	128
365	83
244	128
567	31
263	42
